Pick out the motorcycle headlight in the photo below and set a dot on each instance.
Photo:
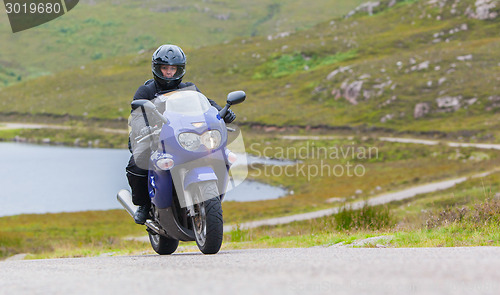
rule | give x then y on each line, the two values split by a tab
189	141
211	139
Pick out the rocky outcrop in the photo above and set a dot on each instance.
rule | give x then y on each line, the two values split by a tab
440	3
421	109
421	66
279	35
386	118
365	7
337	93
484	10
495	103
448	103
337	71
465	57
387	102
224	16
352	91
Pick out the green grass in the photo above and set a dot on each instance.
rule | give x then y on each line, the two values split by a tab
290	86
107	29
10	134
285	65
77	136
91	232
478	226
447	236
368	217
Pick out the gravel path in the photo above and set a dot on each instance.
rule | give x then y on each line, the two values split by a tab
399	139
6	126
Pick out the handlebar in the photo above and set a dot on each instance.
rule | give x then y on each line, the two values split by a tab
156	131
223	112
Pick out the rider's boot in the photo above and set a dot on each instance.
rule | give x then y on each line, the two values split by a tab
142	214
140	196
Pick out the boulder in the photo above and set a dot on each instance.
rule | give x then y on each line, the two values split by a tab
224	16
421	66
471	101
449	103
352	92
367	94
336	93
464	57
339	70
483	10
365	7
386	118
421	109
424	65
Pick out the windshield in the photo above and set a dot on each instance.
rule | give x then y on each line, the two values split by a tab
186	102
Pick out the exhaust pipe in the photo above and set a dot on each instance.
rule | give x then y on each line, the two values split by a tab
125	199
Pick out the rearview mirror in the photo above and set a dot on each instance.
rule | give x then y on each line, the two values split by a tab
236	97
146	104
149	107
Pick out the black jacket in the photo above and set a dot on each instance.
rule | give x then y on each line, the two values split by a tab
150	90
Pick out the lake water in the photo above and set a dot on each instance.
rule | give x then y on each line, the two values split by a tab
50	179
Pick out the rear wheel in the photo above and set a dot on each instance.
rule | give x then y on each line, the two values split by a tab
208	224
163	245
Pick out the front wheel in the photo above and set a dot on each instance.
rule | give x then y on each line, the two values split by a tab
163	245
208	224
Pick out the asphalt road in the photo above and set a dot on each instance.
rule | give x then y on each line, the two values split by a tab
319	270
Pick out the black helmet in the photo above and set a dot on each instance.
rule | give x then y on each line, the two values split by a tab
168	55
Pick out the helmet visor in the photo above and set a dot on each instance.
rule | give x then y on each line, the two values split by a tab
169	72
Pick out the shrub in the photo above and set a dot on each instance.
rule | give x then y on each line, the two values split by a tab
366	218
484	213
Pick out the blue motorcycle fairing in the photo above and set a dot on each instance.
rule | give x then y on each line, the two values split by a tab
177	124
161	182
161	188
198	175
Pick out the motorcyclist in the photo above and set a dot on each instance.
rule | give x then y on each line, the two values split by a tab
168	67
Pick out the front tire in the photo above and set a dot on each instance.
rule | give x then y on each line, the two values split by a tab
208	223
163	245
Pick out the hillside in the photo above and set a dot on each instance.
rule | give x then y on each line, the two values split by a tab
420	66
97	30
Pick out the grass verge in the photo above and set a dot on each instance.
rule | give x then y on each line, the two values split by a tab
97	233
479	226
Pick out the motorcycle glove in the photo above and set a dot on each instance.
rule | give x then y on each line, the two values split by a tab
145	131
230	116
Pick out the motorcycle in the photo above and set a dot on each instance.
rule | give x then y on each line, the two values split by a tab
188	169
